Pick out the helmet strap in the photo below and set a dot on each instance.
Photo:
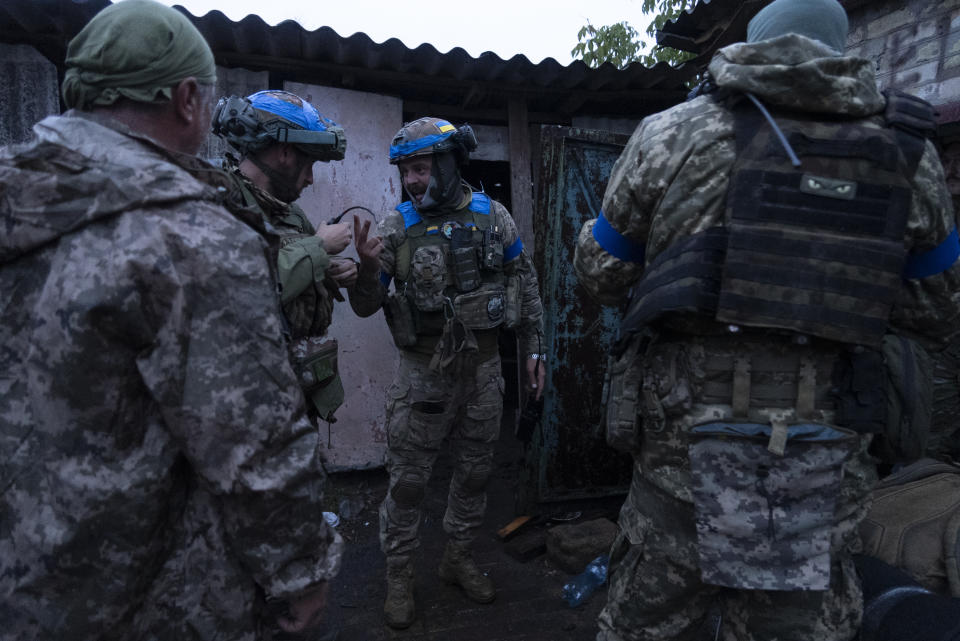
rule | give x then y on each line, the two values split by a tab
282	187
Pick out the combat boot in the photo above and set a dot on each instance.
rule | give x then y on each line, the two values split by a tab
398	608
458	568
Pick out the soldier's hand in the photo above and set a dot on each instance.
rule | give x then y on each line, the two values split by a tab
368	247
335	237
343	271
305	612
536	376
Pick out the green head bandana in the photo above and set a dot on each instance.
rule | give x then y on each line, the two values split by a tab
823	20
136	49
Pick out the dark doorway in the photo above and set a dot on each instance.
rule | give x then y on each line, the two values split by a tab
490	176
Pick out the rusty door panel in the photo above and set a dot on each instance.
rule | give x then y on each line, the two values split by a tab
568	457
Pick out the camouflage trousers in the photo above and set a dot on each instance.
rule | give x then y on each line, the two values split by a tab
424	409
656	592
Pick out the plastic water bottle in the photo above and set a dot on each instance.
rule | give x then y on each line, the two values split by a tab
579	589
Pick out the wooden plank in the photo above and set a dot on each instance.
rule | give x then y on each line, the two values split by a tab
512	526
521	182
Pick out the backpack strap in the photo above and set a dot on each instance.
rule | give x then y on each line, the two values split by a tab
913	120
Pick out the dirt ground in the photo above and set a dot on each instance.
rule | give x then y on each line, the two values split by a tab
528	606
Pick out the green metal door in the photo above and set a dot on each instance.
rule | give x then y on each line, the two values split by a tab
568	457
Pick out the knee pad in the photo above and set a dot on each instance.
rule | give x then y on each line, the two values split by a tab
408	491
474	478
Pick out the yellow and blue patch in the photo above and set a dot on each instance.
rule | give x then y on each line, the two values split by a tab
444	126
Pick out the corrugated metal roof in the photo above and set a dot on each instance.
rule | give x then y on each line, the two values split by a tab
710	25
424	77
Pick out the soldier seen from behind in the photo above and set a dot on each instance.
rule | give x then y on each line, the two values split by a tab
771	235
161	480
460	276
280	136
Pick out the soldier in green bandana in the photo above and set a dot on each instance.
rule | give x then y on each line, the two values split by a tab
772	235
160	477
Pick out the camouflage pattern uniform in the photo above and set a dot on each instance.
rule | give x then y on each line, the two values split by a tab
310	312
463	403
670	183
160	478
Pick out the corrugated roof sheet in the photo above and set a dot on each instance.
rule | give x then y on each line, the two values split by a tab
710	25
423	76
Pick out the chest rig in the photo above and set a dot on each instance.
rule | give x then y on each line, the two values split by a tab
452	266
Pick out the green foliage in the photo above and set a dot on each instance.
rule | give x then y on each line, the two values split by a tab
616	44
620	44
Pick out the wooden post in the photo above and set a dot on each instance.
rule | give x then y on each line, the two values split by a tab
521	183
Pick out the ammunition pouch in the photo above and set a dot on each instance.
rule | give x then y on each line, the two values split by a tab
483	308
315	363
860	390
764	520
428	278
399	314
622	397
463	259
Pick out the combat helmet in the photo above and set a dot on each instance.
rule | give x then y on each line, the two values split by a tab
253	123
432	136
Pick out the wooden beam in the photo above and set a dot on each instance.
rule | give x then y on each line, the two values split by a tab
521	183
499	116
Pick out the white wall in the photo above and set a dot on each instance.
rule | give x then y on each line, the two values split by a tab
364	177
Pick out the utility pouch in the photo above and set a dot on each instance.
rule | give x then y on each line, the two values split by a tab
399	315
492	254
511	303
765	521
481	309
428	278
860	390
315	362
621	398
463	256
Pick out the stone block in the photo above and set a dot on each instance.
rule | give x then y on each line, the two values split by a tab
572	547
916	76
951	63
927	52
889	22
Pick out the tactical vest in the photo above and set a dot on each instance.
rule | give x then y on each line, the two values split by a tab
452	265
815	248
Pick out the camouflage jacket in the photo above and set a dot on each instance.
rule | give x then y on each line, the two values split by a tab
307	300
159	474
367	297
671	180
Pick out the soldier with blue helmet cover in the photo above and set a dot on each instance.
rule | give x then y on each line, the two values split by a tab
280	136
460	275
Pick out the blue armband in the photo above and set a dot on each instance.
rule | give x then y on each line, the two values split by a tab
385	279
935	261
616	243
513	250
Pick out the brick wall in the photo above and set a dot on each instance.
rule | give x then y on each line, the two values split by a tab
916	45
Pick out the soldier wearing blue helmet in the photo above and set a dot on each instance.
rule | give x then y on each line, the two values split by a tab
460	275
279	137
